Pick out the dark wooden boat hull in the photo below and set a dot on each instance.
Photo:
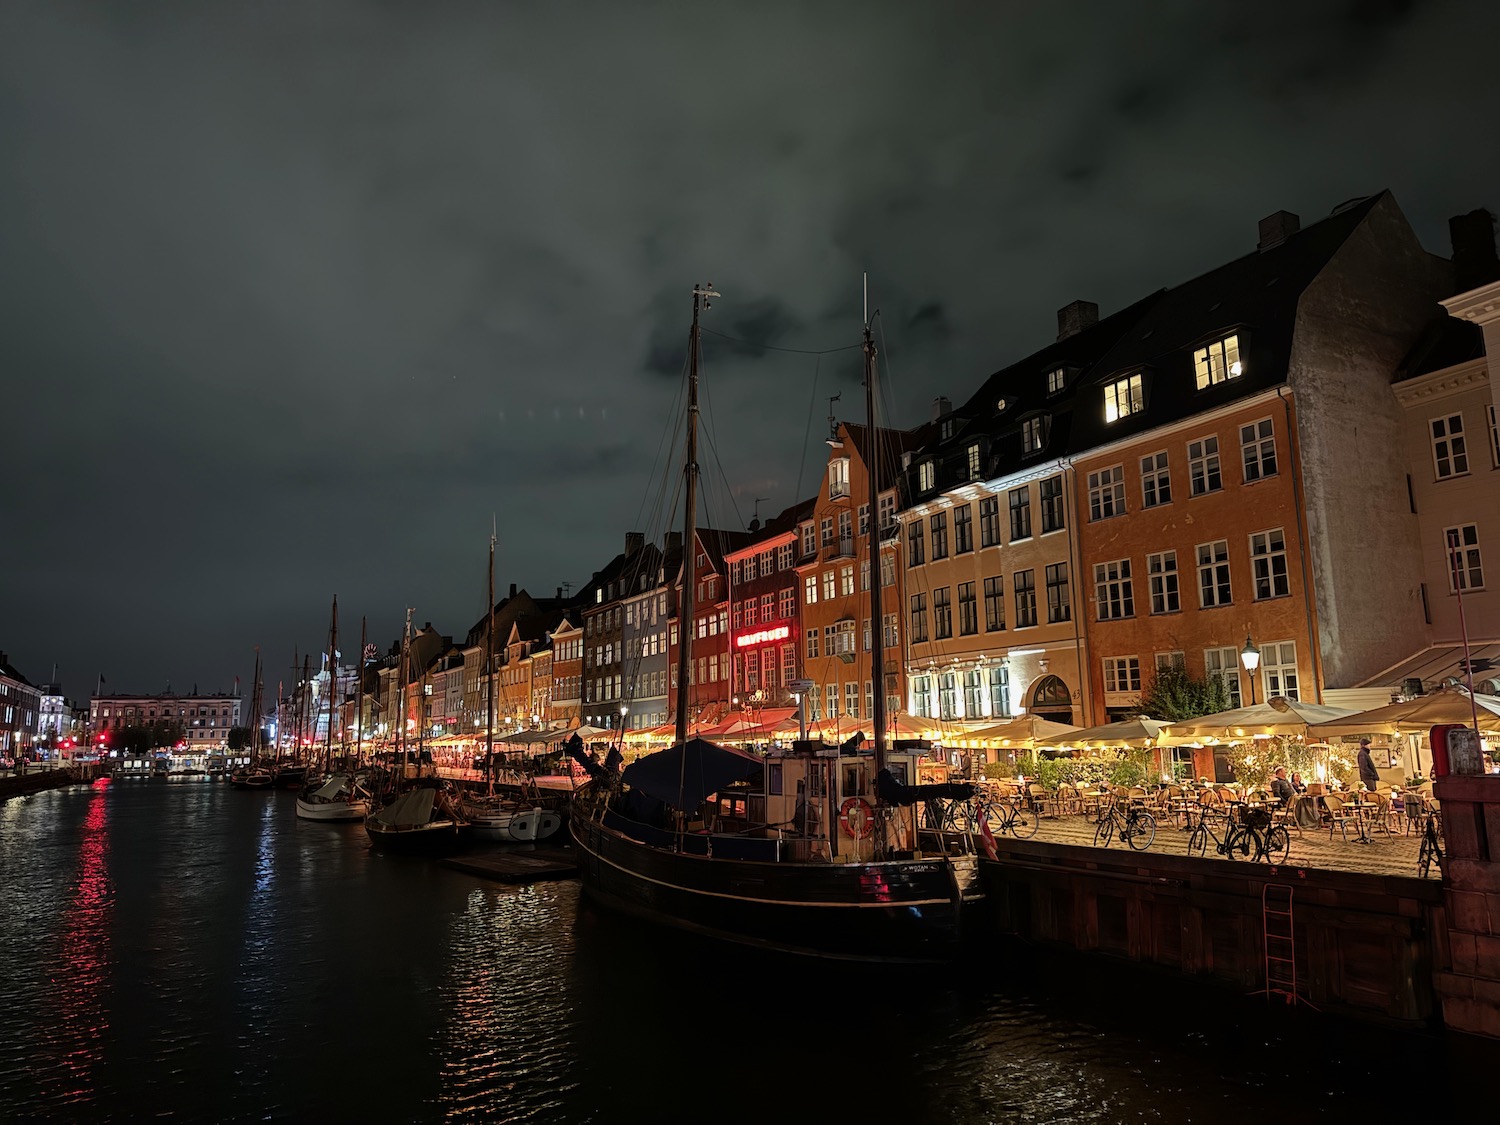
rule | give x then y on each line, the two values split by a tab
905	910
291	777
438	838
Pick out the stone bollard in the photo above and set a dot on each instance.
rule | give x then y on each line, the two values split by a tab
1469	986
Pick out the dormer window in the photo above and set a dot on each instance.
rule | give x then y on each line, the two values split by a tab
838	478
1034	433
974	461
926	476
1056	380
946	429
1122	397
1218	363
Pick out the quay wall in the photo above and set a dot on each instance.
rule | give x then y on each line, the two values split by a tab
1468	978
1365	945
38	780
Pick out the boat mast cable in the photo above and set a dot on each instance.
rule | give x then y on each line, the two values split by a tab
489	674
872	524
701	293
333	679
359	701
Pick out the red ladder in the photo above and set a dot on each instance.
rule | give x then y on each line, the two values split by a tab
1280	948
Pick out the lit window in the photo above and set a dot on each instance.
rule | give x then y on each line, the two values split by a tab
1123	397
1218	362
1278	664
810	589
838	477
926	476
1450	453
1056	380
1034	434
974	461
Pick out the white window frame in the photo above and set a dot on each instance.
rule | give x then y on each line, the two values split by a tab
1204	466
1114	592
1122	675
1278	669
1450	448
1124	397
974	462
1210	595
1267	550
1462	558
1161	575
1258	450
1217	363
1224	664
1057	379
810	589
838	478
1034	434
926	476
1156	480
1107	493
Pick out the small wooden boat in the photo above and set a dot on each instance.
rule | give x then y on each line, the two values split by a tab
337	798
421	821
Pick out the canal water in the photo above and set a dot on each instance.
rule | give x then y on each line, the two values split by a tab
175	950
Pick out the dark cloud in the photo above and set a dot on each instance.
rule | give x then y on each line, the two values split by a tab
294	297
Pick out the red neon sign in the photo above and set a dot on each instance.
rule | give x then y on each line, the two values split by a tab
763	636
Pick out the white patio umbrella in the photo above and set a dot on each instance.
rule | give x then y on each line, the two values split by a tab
1139	731
1418	715
1023	728
1276	717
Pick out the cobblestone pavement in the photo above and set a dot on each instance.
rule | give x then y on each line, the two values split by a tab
1386	854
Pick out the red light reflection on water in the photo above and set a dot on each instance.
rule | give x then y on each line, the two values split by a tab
83	959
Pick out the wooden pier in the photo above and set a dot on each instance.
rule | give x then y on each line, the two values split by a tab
531	866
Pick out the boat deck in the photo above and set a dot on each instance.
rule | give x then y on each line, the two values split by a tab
531	866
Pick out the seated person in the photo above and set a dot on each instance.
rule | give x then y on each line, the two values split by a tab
1298	785
1281	788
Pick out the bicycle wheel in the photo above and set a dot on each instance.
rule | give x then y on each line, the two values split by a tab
1023	824
1105	832
1140	831
1198	841
1278	842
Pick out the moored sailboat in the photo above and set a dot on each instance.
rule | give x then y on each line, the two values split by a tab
705	838
336	797
255	774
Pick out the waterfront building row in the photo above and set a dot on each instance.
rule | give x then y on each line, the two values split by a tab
1294	453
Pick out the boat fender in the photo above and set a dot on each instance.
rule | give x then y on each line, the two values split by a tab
857	818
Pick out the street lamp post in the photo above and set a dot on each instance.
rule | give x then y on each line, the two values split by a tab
1250	658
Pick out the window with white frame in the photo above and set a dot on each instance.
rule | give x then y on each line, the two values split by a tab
1450	453
812	644
942	614
887	510
994	604
1203	466
851	699
1107	493
890	633
864	574
786	602
846	529
947	696
831	700
963	529
1258	450
939	530
921	697
788	664
825	531
1161	573
1223	664
838	477
887	569
989	521
1112	590
1213	573
1122	397
1034	433
814	702
1217	362
784	557
974	465
1278	662
1020	513
1057	379
1023	589
1122	674
864	519
846	580
1170	661
830	585
809	539
973	694
1059	600
1268	564
1465	568
999	692
915	542
926	476
1156	480
1050	497
918	627
810	589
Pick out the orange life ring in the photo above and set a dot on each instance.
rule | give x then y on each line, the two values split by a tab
857	818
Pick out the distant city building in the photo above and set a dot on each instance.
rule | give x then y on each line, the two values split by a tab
206	720
20	709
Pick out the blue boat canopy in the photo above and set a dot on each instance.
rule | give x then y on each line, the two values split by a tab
684	775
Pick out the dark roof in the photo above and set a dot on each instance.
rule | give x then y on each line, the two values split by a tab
782	523
1255	297
1446	342
889	445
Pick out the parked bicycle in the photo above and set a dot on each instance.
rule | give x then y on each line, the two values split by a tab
1432	848
1134	825
1015	815
1249	833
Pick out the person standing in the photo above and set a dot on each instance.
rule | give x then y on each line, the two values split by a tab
1367	772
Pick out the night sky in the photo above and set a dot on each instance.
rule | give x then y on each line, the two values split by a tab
293	297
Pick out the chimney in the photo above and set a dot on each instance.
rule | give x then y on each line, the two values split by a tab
1073	319
559	593
512	589
634	541
1276	229
940	407
1474	260
674	541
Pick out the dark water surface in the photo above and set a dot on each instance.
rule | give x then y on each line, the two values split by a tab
177	950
